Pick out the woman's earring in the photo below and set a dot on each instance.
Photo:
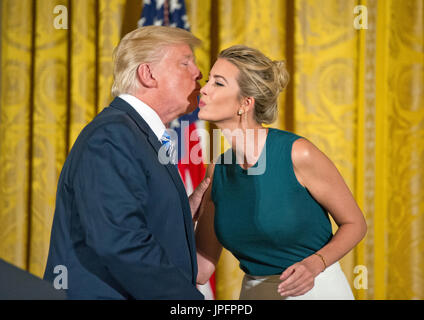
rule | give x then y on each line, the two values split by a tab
240	112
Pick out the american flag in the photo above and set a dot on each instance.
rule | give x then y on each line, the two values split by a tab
173	13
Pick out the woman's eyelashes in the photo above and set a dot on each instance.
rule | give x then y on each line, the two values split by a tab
216	83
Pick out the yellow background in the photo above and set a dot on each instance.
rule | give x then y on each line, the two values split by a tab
357	94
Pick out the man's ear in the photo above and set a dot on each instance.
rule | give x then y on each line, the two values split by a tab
145	76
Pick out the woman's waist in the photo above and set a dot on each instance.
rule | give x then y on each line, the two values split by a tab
275	278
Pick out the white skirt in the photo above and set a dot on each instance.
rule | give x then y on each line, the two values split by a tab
331	284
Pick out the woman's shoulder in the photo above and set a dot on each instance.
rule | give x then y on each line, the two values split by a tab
305	153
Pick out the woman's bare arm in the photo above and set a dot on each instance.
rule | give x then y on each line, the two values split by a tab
208	247
322	179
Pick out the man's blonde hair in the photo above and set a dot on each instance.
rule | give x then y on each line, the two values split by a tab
144	45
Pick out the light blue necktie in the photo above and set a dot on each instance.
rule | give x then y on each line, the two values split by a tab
169	146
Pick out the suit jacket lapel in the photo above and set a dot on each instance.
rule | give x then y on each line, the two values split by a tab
172	170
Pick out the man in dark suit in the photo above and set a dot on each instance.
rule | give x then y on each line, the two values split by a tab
123	223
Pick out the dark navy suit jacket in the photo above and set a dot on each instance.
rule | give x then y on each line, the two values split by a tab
122	225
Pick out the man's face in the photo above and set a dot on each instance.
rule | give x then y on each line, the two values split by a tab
177	76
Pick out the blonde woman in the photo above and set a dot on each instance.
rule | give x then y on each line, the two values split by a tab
275	220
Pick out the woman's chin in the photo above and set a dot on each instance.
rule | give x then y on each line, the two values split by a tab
203	116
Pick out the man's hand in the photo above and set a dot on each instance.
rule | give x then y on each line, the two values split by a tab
196	198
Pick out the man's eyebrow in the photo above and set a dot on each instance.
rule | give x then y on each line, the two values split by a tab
189	56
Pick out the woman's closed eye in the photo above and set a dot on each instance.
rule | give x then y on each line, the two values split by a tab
216	83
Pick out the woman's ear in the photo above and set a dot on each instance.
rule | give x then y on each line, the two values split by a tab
248	103
145	76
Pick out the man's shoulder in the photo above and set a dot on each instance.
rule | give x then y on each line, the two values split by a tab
109	119
110	129
109	126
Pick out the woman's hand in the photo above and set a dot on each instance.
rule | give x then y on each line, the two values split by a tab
299	278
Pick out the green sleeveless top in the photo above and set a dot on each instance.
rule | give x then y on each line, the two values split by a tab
267	219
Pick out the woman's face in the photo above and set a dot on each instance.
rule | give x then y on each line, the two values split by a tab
220	95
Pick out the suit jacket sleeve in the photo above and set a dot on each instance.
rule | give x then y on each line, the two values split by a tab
111	192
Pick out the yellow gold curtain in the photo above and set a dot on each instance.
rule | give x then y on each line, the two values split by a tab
53	82
399	150
358	94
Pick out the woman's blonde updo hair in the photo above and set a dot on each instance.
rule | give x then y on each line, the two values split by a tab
144	45
259	77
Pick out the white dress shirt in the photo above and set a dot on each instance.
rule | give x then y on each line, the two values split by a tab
147	113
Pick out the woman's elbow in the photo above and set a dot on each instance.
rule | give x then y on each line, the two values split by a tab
363	228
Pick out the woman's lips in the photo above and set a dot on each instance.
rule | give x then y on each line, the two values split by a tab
201	104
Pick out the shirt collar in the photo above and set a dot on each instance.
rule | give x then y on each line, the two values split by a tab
147	113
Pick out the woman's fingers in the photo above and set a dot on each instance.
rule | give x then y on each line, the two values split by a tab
298	280
298	291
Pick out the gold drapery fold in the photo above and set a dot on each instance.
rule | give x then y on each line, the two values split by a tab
356	94
325	82
399	192
83	55
48	130
54	81
15	113
365	140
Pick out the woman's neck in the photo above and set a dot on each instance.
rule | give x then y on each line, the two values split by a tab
247	143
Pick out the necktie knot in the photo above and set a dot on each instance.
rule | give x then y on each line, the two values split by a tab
169	146
165	136
166	140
